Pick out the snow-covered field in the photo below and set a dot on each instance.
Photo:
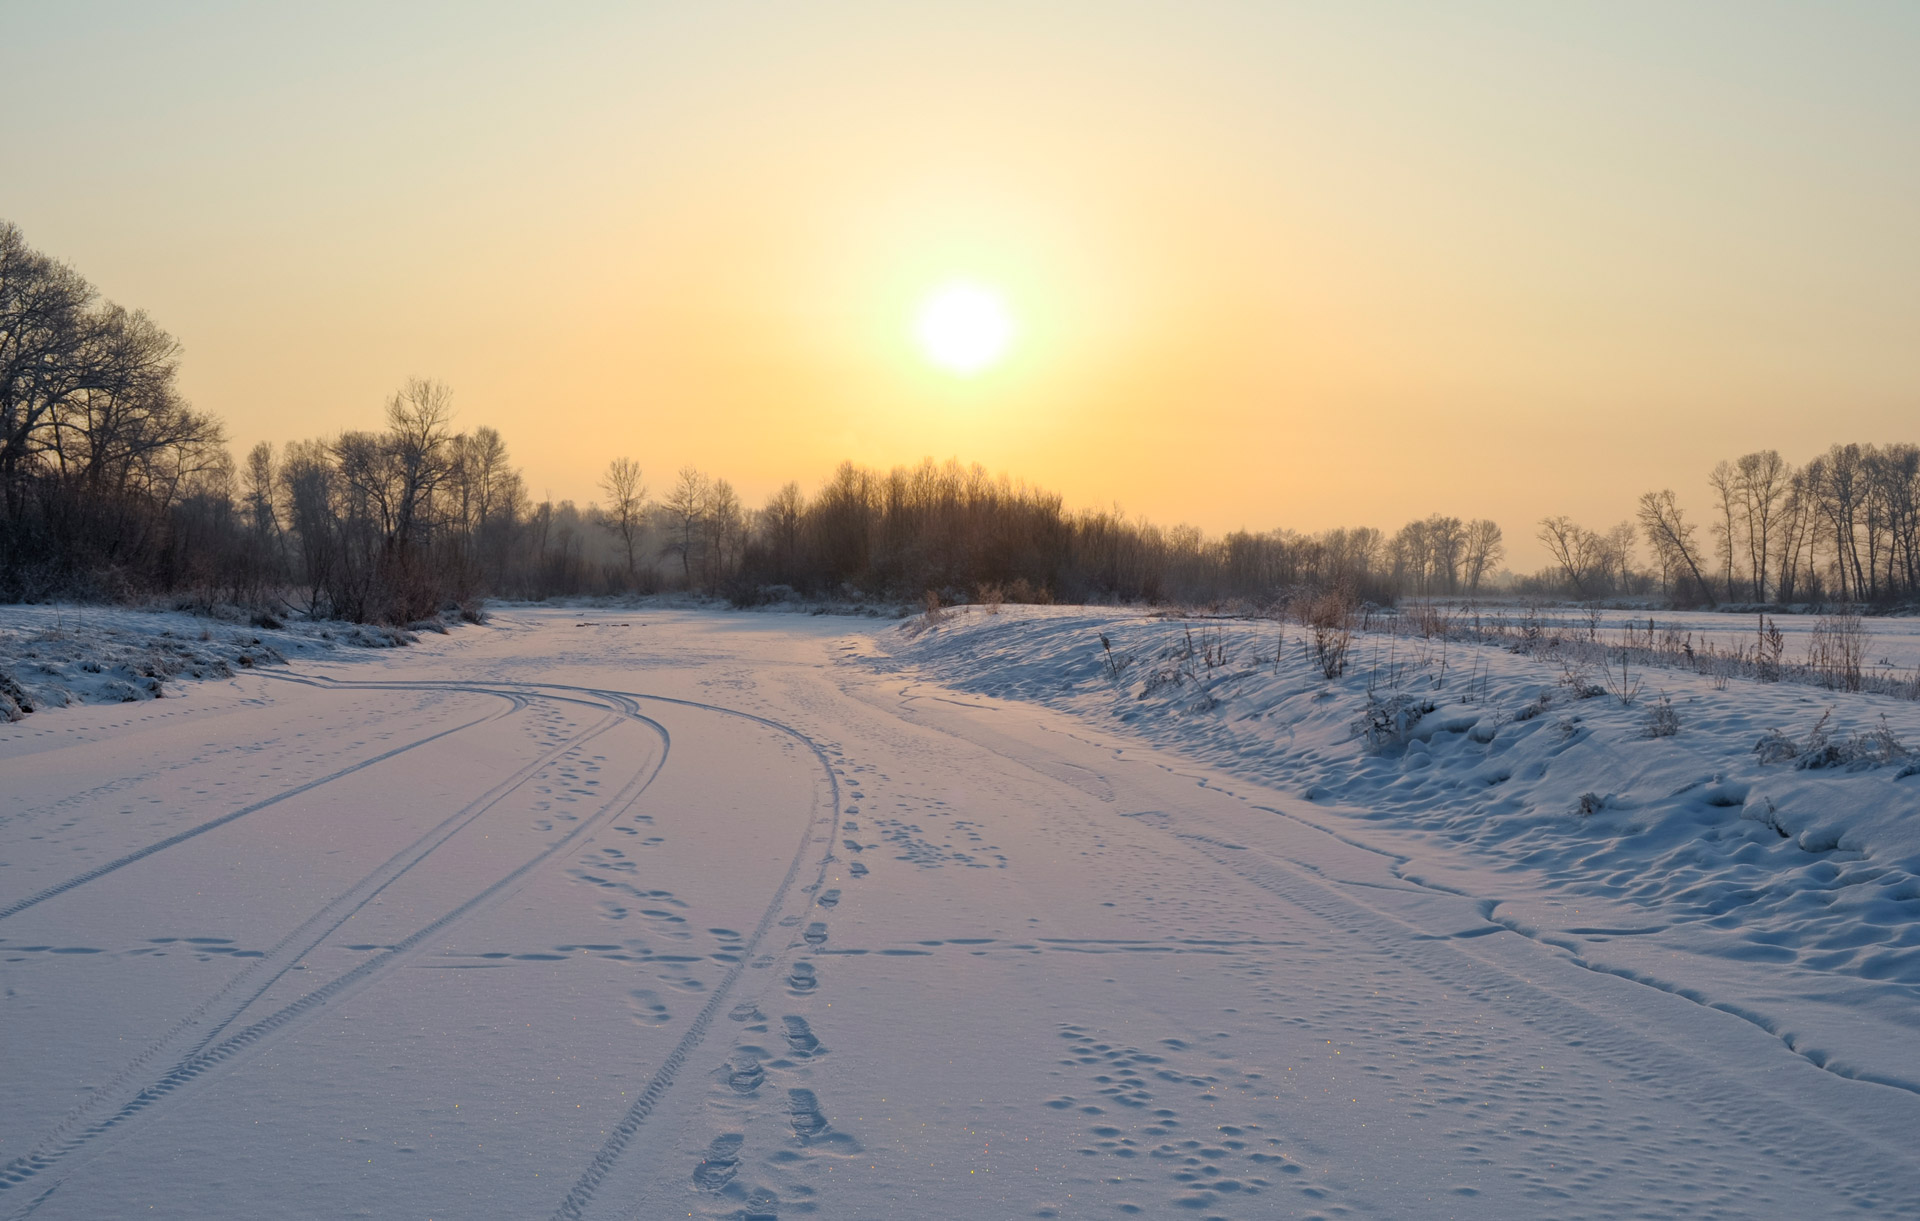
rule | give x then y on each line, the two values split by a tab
661	913
1895	640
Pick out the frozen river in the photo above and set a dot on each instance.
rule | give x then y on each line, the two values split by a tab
642	915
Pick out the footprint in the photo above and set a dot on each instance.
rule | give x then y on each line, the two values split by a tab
816	934
720	1164
648	1009
746	1011
857	870
800	1037
829	898
803	978
804	1109
744	1074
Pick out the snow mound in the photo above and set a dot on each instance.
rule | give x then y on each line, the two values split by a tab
55	656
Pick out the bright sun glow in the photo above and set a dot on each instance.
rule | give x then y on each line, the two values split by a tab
965	328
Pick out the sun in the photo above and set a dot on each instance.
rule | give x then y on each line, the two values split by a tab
964	328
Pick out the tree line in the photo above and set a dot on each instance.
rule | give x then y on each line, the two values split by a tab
112	486
1843	528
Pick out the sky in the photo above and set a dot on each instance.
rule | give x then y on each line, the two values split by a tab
1267	265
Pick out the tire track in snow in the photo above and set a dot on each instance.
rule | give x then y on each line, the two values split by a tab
577	1200
202	1058
294	946
206	1058
574	1206
100	871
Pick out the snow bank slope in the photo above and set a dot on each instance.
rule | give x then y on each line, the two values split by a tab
1787	894
54	656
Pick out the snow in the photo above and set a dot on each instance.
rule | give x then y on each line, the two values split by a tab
55	655
1895	640
647	912
1788	895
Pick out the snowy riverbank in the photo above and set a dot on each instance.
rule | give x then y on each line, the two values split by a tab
53	656
1652	840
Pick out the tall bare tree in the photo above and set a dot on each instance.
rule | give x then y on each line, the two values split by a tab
1670	536
626	505
1764	481
1575	549
684	510
1724	479
1484	548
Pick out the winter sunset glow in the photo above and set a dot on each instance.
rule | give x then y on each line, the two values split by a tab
959	610
964	328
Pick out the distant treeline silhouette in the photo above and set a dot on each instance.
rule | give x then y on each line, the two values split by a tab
1843	528
115	488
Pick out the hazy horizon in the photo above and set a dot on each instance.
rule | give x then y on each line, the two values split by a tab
1267	267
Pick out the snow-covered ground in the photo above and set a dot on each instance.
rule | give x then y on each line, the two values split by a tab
1894	639
659	913
55	655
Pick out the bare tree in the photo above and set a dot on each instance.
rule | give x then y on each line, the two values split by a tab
1838	486
1724	479
725	525
1616	552
684	510
44	332
1446	547
418	417
1575	549
1764	480
781	522
1670	536
626	504
1484	549
1793	536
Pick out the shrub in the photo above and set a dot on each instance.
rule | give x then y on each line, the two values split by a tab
1328	618
14	702
1663	720
1877	747
1836	649
1578	678
1388	724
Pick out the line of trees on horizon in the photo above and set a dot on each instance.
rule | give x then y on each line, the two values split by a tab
1843	528
113	487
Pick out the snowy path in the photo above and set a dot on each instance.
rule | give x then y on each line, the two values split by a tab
655	915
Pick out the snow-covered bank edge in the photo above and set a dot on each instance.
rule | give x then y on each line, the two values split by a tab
1649	839
774	604
55	656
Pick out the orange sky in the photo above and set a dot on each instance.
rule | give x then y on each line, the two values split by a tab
1273	264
